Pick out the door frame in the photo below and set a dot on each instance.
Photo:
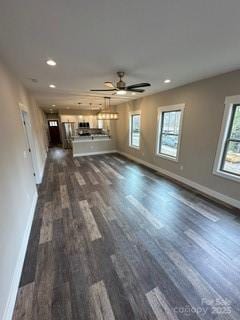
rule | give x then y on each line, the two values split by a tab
27	128
58	125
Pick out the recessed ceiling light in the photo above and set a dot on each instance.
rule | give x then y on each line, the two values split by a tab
167	81
52	86
50	109
53	105
121	92
51	62
133	93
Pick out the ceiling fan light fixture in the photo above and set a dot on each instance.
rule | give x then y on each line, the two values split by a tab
120	88
108	84
121	92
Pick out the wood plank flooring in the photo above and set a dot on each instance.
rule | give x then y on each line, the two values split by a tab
112	240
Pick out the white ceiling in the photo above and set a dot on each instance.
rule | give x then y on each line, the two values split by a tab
151	40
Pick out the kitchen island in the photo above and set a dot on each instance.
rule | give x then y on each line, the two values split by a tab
92	144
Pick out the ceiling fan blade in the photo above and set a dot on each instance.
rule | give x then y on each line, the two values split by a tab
109	84
135	90
139	85
103	90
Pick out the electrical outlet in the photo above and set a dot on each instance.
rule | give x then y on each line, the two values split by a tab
24	154
181	168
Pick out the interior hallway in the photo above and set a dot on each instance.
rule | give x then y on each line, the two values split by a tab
113	240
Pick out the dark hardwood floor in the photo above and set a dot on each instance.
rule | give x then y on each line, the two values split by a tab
113	240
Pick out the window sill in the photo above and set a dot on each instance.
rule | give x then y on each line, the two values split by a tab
226	175
133	147
166	157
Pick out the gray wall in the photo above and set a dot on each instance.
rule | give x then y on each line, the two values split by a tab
204	107
17	184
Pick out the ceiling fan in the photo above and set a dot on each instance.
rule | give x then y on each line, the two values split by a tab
121	88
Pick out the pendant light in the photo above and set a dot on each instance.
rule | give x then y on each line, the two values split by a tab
106	113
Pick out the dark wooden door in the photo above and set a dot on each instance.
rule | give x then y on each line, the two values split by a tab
54	132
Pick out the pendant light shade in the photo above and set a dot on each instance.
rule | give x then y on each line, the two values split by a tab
106	113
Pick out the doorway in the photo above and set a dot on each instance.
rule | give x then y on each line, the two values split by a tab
30	144
54	132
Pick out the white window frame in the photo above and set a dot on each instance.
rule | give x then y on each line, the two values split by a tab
132	113
229	104
176	107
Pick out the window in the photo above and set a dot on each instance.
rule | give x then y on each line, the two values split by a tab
227	161
169	131
134	137
53	124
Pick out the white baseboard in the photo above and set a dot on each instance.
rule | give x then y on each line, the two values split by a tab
93	153
8	312
205	190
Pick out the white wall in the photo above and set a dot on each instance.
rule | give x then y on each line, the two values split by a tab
39	129
18	191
